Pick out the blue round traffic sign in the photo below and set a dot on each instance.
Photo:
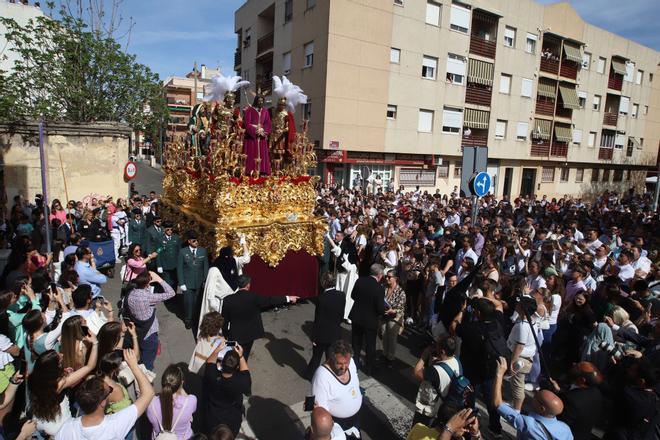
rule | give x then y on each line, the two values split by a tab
481	184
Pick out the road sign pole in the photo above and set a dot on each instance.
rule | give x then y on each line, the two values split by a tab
475	209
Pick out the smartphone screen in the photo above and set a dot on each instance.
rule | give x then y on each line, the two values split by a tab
53	287
231	344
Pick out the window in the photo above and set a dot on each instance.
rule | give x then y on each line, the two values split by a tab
398	2
582	99
635	111
579	175
309	54
509	36
455	69
245	75
577	136
631	147
606	175
639	77
286	63
591	142
600	67
425	122
548	174
630	71
646	109
617	175
248	37
433	13
459	19
624	105
452	120
563	174
619	141
311	4
429	66
530	43
500	129
526	88
391	111
594	175
443	170
641	143
586	60
505	83
307	110
458	170
521	131
395	55
288	11
596	103
650	77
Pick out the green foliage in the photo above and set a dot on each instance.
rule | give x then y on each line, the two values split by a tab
66	72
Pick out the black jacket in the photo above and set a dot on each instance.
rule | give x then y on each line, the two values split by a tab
242	313
328	316
348	251
369	306
583	408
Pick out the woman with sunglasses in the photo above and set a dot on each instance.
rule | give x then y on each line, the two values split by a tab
136	263
57	212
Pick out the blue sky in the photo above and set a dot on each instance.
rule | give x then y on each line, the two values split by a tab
170	35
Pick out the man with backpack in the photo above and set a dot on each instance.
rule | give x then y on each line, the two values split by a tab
483	343
442	382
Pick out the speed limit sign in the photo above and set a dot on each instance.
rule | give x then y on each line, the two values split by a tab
130	170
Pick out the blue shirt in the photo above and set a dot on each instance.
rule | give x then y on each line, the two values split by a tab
529	427
91	276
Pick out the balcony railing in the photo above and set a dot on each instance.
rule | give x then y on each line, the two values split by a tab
481	47
475	140
545	106
478	94
540	148
550	64
559	149
615	81
265	43
237	58
563	112
569	69
605	153
610	118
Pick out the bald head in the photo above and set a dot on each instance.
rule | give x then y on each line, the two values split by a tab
547	404
321	424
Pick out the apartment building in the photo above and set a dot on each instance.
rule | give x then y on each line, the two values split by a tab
401	86
182	94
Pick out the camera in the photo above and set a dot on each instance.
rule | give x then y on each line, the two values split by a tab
612	350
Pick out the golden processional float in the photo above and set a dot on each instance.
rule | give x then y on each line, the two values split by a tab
245	173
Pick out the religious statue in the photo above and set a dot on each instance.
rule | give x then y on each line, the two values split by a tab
283	134
199	127
257	130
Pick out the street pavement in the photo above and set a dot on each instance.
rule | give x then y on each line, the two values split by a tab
274	411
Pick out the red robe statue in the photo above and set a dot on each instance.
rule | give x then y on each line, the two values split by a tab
256	144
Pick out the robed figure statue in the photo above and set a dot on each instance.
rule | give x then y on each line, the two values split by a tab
256	120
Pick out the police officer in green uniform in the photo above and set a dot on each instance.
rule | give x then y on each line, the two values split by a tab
137	228
168	257
192	267
154	239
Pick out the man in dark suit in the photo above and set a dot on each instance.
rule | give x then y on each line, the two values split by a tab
346	251
68	228
327	321
191	271
154	236
168	257
242	314
369	306
137	228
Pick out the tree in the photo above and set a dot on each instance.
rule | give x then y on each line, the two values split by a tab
65	71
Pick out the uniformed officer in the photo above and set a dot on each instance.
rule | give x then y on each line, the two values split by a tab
137	228
154	239
168	257
192	267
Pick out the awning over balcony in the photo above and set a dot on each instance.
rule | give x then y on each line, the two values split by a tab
569	96
563	134
618	67
541	129
573	53
475	118
546	89
480	72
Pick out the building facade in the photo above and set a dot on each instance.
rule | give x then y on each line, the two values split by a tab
21	12
401	86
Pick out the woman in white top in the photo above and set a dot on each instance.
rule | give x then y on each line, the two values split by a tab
208	338
391	256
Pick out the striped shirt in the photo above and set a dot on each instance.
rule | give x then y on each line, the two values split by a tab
142	304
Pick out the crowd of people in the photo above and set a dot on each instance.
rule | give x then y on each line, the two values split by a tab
558	298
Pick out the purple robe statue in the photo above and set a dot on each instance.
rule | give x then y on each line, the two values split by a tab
256	144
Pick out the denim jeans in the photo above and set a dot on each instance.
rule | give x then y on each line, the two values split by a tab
149	350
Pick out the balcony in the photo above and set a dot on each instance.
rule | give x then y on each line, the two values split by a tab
237	59
266	84
265	43
605	153
540	148
569	69
475	140
478	94
482	47
545	106
177	101
615	81
550	64
563	112
610	118
559	149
